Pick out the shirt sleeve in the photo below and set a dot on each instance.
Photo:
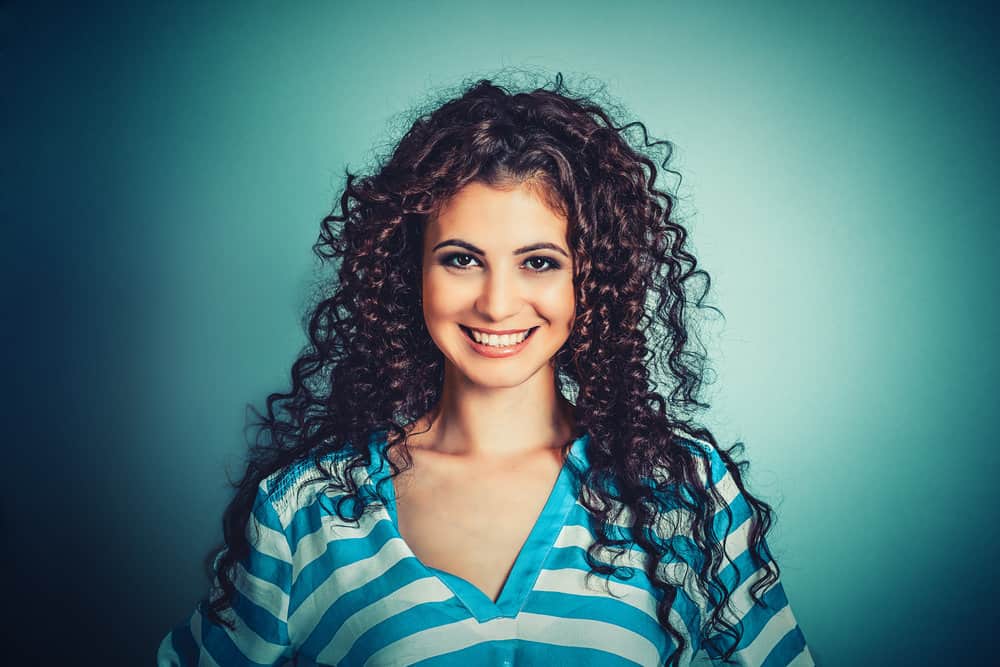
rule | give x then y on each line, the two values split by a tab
771	636
259	607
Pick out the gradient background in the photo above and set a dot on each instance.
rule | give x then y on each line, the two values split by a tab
165	171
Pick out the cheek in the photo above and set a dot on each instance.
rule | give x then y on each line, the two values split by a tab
559	302
440	297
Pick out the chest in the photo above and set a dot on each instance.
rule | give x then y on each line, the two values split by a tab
472	524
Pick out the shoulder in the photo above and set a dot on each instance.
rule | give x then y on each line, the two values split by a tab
297	485
711	488
711	468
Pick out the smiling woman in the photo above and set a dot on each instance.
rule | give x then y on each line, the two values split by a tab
507	282
472	433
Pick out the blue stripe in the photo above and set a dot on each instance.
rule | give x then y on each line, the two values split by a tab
261	565
525	653
758	616
338	553
724	523
308	519
260	620
279	492
735	574
184	644
752	622
604	609
539	653
786	650
482	607
413	620
578	516
686	550
269	568
219	643
708	453
399	575
265	513
574	557
304	522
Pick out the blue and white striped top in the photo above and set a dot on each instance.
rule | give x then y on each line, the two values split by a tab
317	590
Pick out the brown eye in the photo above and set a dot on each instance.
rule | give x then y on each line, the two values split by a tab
541	264
458	260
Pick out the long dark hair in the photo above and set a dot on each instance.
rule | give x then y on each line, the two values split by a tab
371	366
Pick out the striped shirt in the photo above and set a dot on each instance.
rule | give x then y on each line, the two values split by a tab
318	590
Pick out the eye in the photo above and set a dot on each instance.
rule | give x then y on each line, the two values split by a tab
458	260
540	264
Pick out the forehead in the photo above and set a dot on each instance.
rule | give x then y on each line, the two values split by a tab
498	217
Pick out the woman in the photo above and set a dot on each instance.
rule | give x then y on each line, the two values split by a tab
473	433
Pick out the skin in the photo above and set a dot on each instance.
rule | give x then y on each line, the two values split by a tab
496	411
486	458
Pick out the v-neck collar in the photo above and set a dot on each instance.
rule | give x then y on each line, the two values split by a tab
530	559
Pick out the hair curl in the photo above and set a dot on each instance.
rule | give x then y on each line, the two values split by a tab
371	365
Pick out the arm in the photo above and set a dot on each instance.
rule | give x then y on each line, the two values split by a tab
771	636
259	607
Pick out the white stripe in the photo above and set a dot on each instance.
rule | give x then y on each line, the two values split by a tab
676	521
196	622
586	633
727	488
343	580
740	599
261	592
574	581
166	656
574	536
434	641
290	499
776	628
267	594
415	593
578	536
249	643
575	633
677	573
701	659
204	659
738	540
268	541
803	659
332	528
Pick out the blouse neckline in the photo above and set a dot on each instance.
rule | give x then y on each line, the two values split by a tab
532	555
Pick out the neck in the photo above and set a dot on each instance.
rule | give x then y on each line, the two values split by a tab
475	422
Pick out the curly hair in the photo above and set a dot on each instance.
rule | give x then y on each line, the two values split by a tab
370	364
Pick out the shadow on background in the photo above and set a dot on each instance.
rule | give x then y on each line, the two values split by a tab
166	169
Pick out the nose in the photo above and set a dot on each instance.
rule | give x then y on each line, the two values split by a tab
500	298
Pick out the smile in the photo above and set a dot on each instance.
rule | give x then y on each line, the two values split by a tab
493	345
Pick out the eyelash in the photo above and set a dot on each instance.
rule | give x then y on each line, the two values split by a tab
448	259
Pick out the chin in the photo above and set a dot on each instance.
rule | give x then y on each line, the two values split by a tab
498	377
498	383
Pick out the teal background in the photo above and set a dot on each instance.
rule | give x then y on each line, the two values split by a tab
165	171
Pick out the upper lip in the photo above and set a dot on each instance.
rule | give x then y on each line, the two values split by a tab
499	333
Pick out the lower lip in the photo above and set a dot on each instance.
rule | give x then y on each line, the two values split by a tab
498	352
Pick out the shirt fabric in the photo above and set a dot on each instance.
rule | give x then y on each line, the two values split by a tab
318	590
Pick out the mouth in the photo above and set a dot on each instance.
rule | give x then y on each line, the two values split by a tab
496	350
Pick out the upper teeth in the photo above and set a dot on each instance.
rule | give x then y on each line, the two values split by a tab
499	341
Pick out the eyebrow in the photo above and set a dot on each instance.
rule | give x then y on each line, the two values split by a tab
519	251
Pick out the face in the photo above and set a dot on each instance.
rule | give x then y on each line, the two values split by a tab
496	264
